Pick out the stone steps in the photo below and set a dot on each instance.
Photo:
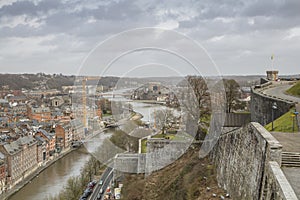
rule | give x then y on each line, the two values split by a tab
290	159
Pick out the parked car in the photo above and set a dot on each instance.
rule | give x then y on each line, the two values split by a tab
92	184
87	192
84	196
100	182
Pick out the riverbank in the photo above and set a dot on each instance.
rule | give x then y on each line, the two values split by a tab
11	194
30	177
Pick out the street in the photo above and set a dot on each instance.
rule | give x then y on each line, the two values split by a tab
279	91
106	178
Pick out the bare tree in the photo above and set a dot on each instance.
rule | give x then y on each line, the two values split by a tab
200	89
195	102
73	188
232	94
163	119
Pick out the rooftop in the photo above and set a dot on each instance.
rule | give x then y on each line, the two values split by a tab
15	146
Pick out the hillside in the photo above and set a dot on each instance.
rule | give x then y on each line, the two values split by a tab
15	81
295	90
46	81
283	124
56	81
188	178
35	81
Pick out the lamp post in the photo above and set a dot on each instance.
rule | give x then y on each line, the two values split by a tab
296	118
274	107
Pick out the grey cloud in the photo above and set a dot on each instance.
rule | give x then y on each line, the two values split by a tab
118	11
64	17
29	8
244	25
287	9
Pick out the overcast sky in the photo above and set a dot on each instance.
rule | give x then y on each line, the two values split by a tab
54	36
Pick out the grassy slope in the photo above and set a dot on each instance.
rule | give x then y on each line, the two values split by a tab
295	90
186	178
283	123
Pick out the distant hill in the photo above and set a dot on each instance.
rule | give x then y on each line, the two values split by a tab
47	81
56	81
35	81
15	81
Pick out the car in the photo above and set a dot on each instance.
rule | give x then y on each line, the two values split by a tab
87	192
91	184
101	191
100	182
83	197
99	196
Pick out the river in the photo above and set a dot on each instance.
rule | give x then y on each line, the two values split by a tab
52	180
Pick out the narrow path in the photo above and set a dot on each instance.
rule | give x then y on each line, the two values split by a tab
289	141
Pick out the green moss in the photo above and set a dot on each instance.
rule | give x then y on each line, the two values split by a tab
166	136
177	137
144	146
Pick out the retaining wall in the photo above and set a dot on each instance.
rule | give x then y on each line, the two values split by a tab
242	160
261	106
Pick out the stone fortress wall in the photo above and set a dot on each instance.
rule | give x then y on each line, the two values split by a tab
248	163
261	104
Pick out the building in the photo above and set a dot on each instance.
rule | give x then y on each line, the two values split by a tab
42	93
272	75
2	173
78	133
17	99
50	141
4	103
39	113
150	91
57	101
21	158
41	150
64	135
20	109
154	86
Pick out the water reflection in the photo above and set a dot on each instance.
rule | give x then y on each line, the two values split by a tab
53	179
